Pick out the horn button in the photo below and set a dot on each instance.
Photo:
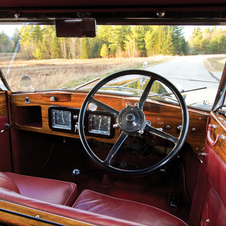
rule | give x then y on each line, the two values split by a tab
131	119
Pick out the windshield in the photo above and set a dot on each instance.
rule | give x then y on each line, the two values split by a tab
192	58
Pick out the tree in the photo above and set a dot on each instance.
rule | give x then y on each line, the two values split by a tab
15	40
205	46
104	51
116	39
168	45
27	44
54	47
85	48
150	40
40	42
196	39
221	43
4	42
38	54
178	39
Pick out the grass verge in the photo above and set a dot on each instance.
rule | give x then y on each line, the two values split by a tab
215	64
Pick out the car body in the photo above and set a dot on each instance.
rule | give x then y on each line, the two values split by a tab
144	146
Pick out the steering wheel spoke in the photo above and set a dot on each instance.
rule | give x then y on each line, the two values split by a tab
145	93
161	134
104	106
115	148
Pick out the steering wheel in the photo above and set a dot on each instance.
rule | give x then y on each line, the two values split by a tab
131	120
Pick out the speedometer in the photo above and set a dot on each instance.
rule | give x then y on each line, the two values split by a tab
61	119
99	124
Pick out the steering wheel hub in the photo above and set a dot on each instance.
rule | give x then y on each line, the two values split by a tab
131	119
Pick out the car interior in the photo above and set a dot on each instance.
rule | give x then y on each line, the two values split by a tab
73	157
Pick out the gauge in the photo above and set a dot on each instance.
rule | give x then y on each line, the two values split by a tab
99	124
61	119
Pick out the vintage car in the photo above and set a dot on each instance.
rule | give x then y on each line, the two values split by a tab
142	146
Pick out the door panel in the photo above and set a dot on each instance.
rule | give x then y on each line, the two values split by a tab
5	154
214	205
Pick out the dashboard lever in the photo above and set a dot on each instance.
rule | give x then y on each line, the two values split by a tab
8	126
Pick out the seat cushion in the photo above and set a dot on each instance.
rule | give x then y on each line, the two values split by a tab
48	190
124	209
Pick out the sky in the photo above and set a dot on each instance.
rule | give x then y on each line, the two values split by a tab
9	29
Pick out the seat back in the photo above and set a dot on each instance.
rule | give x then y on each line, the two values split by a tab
7	183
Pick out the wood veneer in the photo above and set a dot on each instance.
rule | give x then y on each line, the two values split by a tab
20	215
165	116
3	104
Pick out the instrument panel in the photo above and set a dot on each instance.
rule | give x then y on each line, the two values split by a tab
97	123
61	119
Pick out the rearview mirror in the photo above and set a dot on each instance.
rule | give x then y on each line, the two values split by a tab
84	27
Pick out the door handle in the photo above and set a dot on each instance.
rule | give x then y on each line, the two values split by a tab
213	143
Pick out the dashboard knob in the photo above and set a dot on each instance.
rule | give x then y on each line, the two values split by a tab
75	117
76	173
76	127
52	98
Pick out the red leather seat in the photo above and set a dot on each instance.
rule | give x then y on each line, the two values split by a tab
90	207
125	209
52	191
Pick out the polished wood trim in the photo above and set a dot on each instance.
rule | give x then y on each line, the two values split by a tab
18	219
3	104
161	115
59	97
219	129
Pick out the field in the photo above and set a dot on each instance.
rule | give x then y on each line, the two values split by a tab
57	73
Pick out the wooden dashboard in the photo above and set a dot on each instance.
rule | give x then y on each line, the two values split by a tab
29	111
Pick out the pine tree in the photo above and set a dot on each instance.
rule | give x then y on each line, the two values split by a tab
178	39
4	42
104	51
151	38
168	45
196	39
85	49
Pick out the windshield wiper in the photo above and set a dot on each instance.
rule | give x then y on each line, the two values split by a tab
168	94
82	85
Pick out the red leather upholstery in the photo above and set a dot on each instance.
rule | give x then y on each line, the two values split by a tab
53	191
7	183
14	188
214	206
5	160
67	211
124	209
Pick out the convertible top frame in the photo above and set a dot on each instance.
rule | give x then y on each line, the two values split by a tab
117	12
